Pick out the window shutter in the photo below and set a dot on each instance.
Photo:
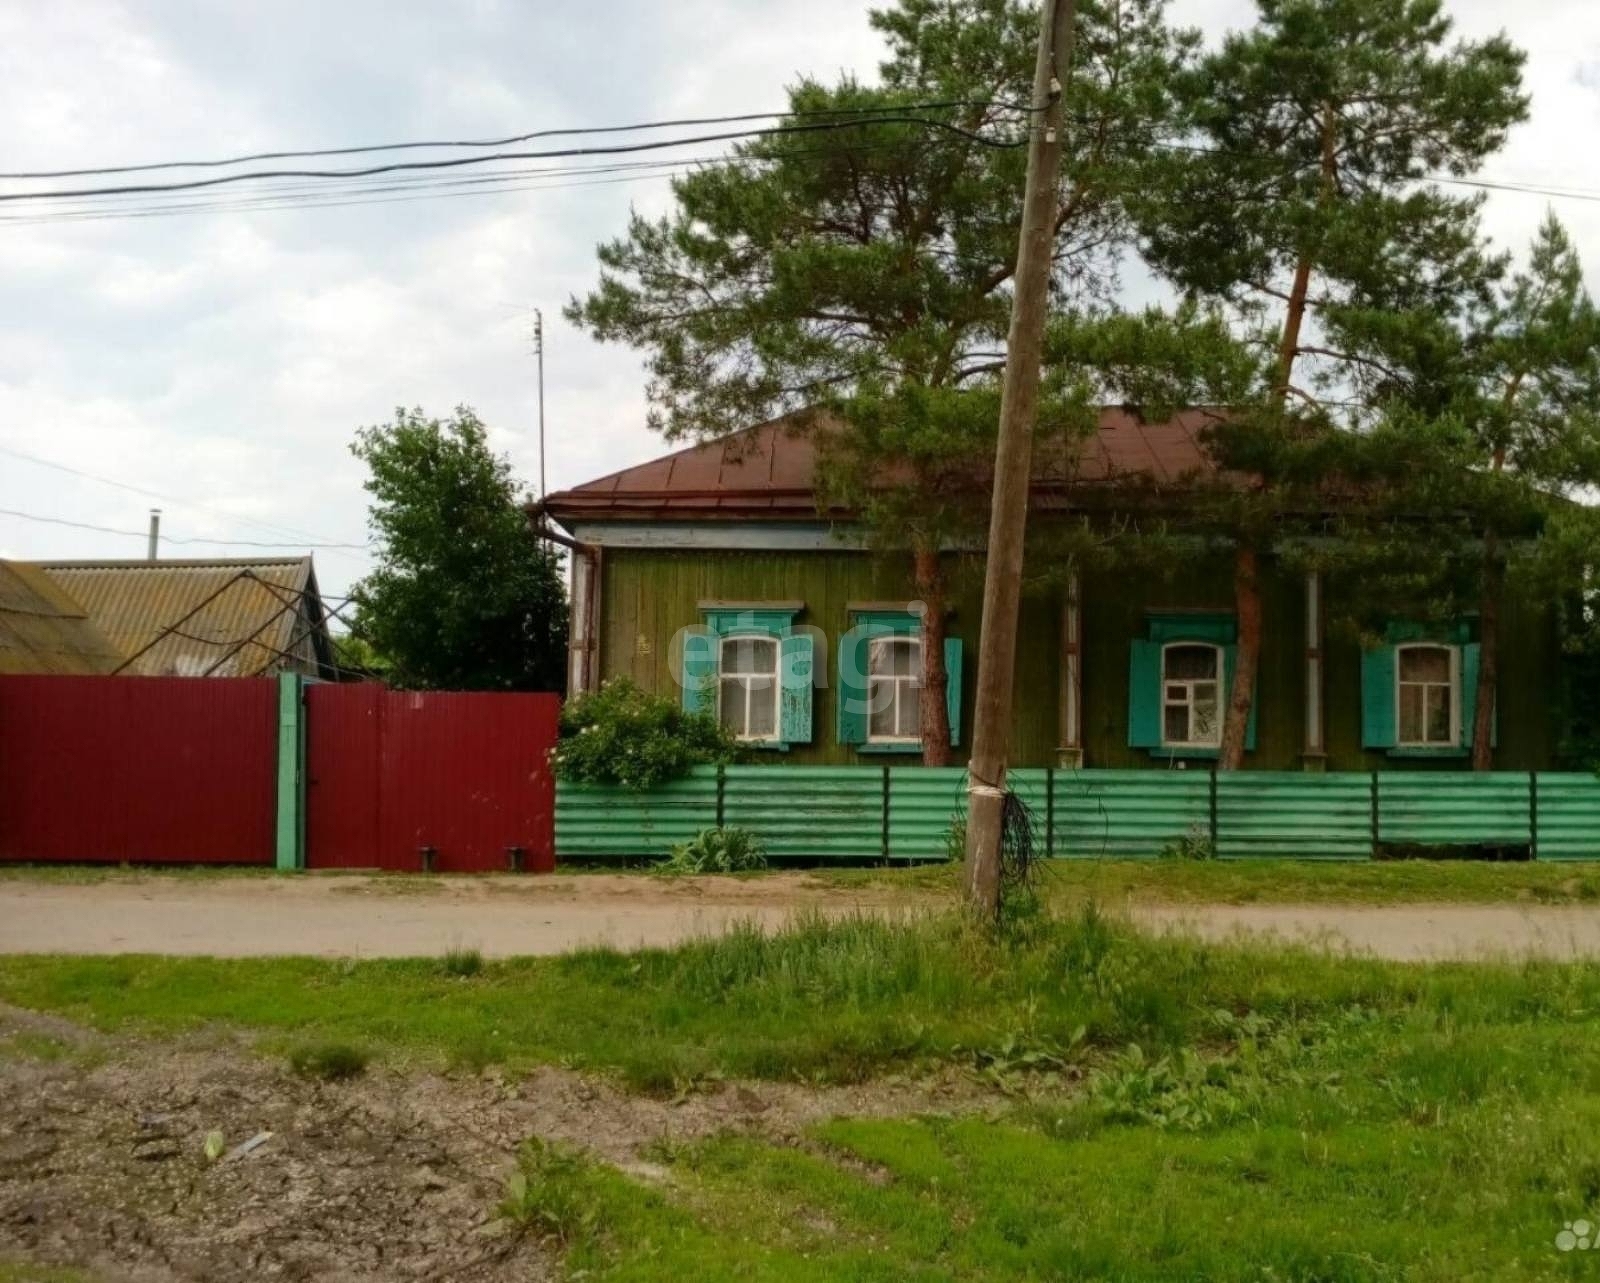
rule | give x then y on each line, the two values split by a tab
700	670
1230	664
1378	729
851	693
952	689
1144	694
1470	664
795	665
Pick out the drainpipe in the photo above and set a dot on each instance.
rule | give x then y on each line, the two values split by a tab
584	596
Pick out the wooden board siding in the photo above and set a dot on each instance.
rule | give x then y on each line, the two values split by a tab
647	595
1115	608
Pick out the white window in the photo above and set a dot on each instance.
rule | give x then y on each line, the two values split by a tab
1191	695
747	687
1427	696
894	683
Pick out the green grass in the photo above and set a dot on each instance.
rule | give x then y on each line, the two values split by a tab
330	1061
14	1271
1279	881
838	1001
1167	1109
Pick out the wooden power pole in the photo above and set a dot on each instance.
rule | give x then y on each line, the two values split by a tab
1013	461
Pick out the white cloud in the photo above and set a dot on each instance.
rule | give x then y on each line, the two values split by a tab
227	358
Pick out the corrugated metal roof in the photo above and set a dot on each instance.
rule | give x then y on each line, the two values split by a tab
42	630
199	618
771	470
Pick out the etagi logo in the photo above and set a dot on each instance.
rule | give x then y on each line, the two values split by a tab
1577	1236
749	656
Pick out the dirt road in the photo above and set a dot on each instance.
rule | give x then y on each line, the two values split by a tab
375	917
359	916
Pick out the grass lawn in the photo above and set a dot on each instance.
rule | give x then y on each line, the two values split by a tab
1282	881
1065	882
1167	1109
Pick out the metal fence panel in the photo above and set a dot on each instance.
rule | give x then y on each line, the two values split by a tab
596	819
924	801
1128	813
1435	808
1568	812
1294	815
820	812
465	774
159	770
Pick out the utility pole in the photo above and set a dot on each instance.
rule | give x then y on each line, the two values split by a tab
1008	518
538	347
153	547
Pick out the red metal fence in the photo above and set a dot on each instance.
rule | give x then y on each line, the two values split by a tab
402	780
157	769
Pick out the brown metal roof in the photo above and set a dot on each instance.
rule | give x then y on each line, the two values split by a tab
770	470
42	630
200	618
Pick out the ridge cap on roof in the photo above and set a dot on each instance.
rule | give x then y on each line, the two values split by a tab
169	563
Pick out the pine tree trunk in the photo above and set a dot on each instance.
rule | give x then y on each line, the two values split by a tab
1241	691
1488	656
935	714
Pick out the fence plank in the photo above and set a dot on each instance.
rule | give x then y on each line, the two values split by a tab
1435	808
1569	816
821	812
596	819
1294	815
1128	813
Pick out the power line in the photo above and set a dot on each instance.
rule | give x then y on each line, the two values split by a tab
142	534
166	498
456	162
509	140
294	196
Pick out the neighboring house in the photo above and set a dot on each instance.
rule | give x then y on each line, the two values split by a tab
725	540
232	618
43	630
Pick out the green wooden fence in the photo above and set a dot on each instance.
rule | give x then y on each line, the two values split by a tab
905	813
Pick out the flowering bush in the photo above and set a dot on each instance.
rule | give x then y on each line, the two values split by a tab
620	734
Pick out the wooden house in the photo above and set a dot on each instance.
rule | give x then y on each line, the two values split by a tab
713	571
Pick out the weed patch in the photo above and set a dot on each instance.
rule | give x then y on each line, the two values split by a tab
461	962
329	1061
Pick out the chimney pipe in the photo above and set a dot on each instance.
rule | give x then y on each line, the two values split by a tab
155	534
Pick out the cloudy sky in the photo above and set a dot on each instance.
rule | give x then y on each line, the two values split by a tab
222	359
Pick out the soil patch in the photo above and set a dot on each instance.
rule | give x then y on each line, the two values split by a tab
392	1176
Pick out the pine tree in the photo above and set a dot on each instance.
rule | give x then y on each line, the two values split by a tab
1293	200
1514	371
867	270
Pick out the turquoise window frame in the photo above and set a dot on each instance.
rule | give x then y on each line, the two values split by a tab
1199	627
867	624
776	622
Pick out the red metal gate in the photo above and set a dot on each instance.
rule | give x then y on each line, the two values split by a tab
138	769
394	774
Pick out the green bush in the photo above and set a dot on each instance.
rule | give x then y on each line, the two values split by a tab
726	850
329	1061
620	734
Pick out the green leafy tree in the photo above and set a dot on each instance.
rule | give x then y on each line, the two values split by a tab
1297	198
866	271
1515	375
464	597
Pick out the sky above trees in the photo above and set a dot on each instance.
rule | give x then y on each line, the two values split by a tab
226	358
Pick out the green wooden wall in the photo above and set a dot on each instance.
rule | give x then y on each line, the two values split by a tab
648	595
